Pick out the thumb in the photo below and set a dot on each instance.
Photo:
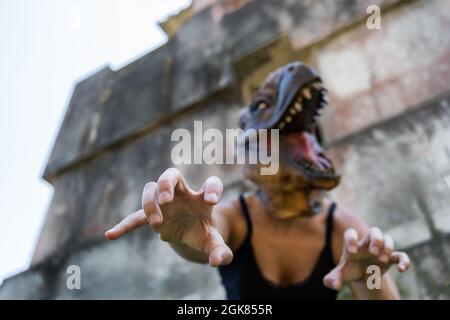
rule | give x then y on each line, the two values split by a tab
333	279
219	253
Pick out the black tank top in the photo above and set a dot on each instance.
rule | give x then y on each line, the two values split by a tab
243	279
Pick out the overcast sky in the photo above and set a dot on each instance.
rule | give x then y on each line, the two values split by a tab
45	47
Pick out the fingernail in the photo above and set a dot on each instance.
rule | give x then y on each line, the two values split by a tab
108	234
211	197
384	258
164	197
374	250
352	249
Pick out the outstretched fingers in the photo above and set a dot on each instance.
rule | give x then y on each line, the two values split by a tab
374	241
388	248
133	221
150	205
212	190
333	279
351	241
401	259
166	185
219	253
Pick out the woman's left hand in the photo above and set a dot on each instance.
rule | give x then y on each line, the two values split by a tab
375	248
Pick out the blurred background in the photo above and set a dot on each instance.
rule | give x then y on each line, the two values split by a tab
92	90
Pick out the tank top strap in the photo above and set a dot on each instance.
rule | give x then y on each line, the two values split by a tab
247	218
329	226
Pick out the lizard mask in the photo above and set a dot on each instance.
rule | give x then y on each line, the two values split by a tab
290	100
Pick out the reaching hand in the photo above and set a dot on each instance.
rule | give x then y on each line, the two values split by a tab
374	249
180	215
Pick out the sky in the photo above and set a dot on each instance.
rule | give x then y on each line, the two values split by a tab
46	46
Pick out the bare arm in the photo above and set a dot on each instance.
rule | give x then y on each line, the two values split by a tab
388	290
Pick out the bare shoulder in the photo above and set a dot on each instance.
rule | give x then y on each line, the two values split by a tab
345	218
229	214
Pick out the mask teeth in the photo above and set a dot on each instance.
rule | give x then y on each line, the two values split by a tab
317	85
311	169
322	104
323	97
298	105
306	93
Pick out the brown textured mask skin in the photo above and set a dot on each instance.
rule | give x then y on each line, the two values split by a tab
290	100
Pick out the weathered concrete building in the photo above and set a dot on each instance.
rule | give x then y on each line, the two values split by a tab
388	129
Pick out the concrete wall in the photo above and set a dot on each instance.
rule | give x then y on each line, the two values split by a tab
388	131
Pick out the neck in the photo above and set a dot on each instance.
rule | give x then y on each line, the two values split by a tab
284	203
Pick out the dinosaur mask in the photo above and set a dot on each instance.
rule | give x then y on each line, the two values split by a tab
290	100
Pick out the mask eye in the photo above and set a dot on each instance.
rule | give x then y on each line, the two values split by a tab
260	106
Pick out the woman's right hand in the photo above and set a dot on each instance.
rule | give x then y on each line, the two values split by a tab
180	215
